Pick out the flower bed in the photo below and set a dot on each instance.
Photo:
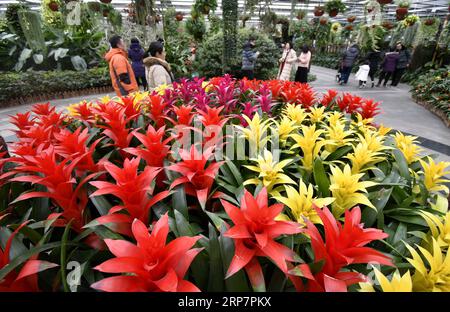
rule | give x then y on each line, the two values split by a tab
32	86
432	90
221	186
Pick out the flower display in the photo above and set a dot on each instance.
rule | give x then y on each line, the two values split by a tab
221	185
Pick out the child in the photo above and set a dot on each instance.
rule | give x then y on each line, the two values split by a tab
363	74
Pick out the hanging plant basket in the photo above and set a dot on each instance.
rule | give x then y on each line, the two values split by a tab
401	11
53	6
384	2
106	1
430	21
351	19
333	13
179	17
319	11
349	27
323	21
94	6
301	15
387	25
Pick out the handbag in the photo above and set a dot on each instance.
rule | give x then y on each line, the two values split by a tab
122	90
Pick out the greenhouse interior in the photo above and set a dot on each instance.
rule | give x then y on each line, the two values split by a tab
277	146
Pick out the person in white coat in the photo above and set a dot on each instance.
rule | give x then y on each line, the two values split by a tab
287	61
363	74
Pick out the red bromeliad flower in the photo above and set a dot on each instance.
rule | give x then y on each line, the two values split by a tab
157	109
197	177
306	95
349	103
152	265
83	111
183	114
329	98
156	148
132	110
343	245
369	108
26	280
73	145
115	123
57	177
43	109
212	117
276	87
254	232
22	122
132	188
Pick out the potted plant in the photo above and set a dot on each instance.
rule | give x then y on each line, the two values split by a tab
411	20
384	2
334	7
429	21
349	27
387	25
351	18
323	21
179	16
106	1
301	14
53	5
319	11
402	9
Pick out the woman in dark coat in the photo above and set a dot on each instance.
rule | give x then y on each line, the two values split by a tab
374	61
404	59
136	54
388	67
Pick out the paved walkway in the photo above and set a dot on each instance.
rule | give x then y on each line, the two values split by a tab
398	111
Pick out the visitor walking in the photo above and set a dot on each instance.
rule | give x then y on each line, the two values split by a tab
304	61
363	74
374	62
348	59
122	75
388	67
249	59
157	70
287	61
403	62
136	54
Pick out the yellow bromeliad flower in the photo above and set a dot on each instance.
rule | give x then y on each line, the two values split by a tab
316	114
207	86
407	145
284	128
295	113
337	134
398	283
382	130
105	99
335	117
439	228
162	88
436	275
311	144
363	158
433	175
256	132
270	172
301	203
374	140
362	123
348	190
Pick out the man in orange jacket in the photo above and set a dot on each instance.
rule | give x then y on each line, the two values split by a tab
122	75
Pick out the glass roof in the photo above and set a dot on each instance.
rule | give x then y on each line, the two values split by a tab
422	8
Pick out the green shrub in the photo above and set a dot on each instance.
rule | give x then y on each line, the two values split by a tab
20	85
209	57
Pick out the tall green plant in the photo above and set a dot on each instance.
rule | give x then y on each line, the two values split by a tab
230	24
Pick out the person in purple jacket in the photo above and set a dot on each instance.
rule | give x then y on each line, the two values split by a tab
136	54
388	67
